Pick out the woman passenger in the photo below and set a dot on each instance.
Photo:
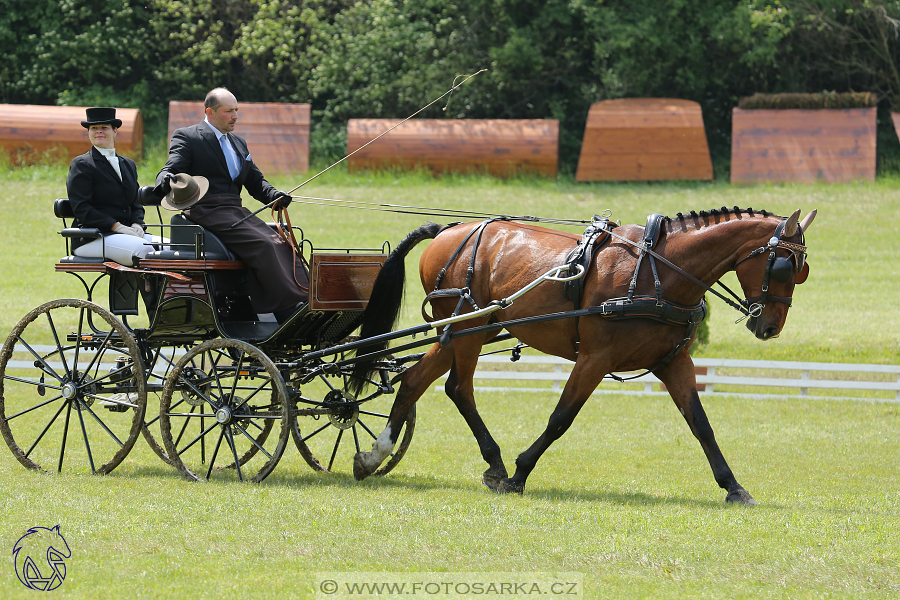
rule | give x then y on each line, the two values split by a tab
103	193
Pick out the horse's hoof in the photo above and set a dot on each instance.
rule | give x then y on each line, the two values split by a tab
740	496
506	486
492	478
360	469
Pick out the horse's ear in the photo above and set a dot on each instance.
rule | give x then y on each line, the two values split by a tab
808	219
790	227
803	274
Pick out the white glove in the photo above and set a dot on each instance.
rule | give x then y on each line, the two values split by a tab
126	230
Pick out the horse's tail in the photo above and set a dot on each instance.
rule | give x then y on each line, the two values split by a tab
383	309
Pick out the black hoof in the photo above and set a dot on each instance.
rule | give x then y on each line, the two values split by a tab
506	486
492	478
740	496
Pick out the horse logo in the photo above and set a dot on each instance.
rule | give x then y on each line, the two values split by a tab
38	545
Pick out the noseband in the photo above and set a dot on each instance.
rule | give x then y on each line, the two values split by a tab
779	268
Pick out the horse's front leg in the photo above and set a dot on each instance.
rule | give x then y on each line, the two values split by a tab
682	385
414	383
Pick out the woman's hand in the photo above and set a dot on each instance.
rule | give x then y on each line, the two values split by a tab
136	230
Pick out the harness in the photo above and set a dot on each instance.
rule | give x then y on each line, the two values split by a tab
655	307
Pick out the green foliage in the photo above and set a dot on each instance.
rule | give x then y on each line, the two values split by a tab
809	101
388	58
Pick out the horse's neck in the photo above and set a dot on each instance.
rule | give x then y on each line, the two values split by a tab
709	251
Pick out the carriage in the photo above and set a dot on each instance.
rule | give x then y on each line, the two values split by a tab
233	387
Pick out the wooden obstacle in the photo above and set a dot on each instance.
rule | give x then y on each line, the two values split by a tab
277	134
32	133
803	145
644	139
500	147
895	117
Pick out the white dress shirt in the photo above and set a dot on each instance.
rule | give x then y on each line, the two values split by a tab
110	154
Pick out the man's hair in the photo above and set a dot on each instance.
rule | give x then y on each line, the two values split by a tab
213	98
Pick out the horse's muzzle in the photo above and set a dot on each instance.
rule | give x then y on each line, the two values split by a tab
762	330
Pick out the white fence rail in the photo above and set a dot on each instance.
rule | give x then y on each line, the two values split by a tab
857	378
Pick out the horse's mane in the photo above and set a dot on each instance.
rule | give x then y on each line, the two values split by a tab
713	212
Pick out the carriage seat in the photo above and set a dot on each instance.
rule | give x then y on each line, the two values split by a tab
62	208
185	243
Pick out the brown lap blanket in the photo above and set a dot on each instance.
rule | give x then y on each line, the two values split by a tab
270	258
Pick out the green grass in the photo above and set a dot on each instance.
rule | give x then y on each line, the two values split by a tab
625	497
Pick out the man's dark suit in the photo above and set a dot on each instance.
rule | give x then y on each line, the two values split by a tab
195	150
97	195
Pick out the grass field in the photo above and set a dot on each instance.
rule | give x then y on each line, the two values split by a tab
625	498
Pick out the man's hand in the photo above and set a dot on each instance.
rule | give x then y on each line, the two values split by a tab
166	186
283	201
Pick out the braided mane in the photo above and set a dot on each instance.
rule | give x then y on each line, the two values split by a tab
721	211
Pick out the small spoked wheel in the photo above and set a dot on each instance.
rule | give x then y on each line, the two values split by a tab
224	413
72	389
329	433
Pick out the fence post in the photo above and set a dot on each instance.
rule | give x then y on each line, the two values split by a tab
804	375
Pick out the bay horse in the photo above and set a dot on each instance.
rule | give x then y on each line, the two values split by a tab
695	251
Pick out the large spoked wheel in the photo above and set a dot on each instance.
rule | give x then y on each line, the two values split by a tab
160	363
224	413
72	393
330	432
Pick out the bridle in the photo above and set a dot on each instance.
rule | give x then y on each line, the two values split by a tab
779	268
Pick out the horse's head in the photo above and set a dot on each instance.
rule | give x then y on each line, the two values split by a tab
769	273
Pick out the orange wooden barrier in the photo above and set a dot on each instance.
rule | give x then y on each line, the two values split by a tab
644	139
277	134
501	147
803	145
32	133
896	118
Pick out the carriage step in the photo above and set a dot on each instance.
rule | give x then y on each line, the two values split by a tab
117	402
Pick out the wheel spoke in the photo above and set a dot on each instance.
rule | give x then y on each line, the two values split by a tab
34	445
356	440
374	414
62	354
183	429
252	439
322	428
87	443
102	424
35	407
62	447
194	441
337	443
237	462
215	452
369	431
46	366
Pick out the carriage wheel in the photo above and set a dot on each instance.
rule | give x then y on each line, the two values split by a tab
161	362
72	393
348	427
218	408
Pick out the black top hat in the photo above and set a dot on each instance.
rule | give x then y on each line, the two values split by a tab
101	116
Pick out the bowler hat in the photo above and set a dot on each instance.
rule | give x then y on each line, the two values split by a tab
101	116
185	191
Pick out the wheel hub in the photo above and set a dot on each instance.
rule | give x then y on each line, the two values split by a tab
343	411
69	390
223	415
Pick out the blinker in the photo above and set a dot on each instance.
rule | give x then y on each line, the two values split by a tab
782	269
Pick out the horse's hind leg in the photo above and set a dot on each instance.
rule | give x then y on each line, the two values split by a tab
414	383
584	379
682	385
460	388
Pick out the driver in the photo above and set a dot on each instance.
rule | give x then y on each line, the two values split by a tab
210	149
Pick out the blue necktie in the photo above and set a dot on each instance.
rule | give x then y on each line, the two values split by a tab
232	166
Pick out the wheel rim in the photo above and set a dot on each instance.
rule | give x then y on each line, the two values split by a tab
228	434
160	363
72	390
348	425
